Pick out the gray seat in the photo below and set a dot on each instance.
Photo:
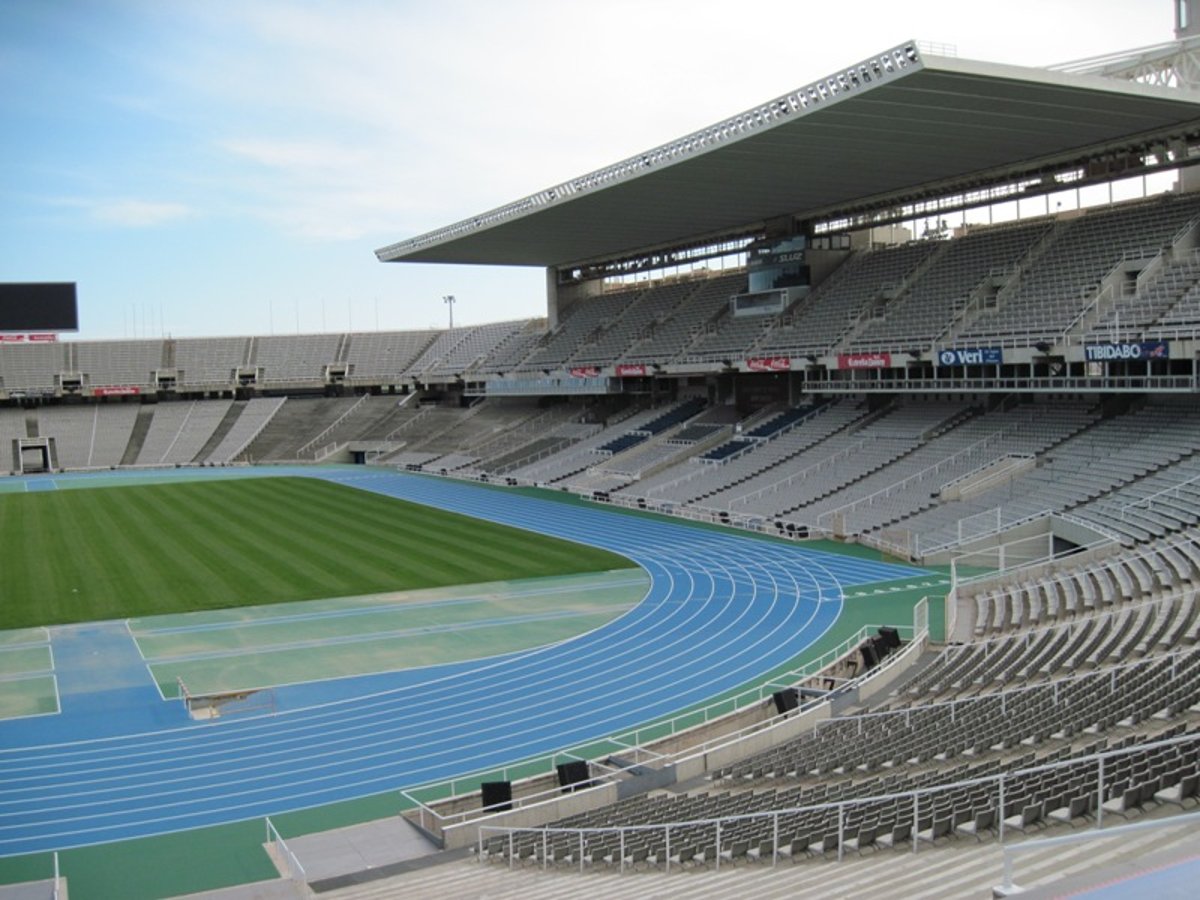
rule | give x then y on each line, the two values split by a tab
1069	813
940	827
982	822
865	838
1125	801
1183	793
1030	816
900	834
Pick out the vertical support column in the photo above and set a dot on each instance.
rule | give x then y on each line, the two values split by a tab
551	298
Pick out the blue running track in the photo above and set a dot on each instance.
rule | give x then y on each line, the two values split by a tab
721	610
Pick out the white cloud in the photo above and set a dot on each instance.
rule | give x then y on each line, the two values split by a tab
127	212
138	213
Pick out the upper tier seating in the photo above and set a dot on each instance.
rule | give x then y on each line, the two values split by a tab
385	354
31	366
119	362
818	323
295	358
924	312
1050	296
670	339
202	361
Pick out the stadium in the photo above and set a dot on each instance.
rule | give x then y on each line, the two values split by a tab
835	532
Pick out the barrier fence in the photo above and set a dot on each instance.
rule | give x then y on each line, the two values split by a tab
1109	793
633	745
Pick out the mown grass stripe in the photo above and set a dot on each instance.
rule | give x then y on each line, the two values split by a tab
154	549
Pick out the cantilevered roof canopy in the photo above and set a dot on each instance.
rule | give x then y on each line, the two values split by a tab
895	126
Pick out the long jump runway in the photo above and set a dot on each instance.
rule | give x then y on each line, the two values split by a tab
721	609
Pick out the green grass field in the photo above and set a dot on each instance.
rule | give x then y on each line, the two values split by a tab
81	555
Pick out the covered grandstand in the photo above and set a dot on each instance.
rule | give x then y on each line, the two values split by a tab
744	330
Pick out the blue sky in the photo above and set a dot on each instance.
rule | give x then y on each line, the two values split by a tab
216	167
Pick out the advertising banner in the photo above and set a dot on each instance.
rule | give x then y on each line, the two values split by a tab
119	391
864	360
585	372
769	364
971	356
631	370
1139	350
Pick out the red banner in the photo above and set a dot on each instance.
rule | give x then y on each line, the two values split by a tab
11	338
585	372
769	364
121	391
630	370
43	338
864	360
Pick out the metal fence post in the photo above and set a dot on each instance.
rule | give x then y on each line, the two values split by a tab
1000	832
841	828
916	814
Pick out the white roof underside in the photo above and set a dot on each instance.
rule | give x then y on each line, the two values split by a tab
897	125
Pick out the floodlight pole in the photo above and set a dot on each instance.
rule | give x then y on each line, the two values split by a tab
450	301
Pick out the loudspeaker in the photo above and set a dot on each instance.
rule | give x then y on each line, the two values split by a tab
573	775
497	795
891	635
881	648
786	700
870	660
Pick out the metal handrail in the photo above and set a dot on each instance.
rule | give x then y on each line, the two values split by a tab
1007	887
678	723
999	780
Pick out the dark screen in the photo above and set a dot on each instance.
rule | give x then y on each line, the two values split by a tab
43	306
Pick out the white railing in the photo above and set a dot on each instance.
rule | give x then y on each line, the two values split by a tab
752	443
819	466
635	743
292	868
336	422
917	477
1009	462
1007	888
1172	491
1021	383
923	798
1004	559
965	535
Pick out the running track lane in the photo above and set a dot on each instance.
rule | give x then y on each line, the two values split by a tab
720	610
